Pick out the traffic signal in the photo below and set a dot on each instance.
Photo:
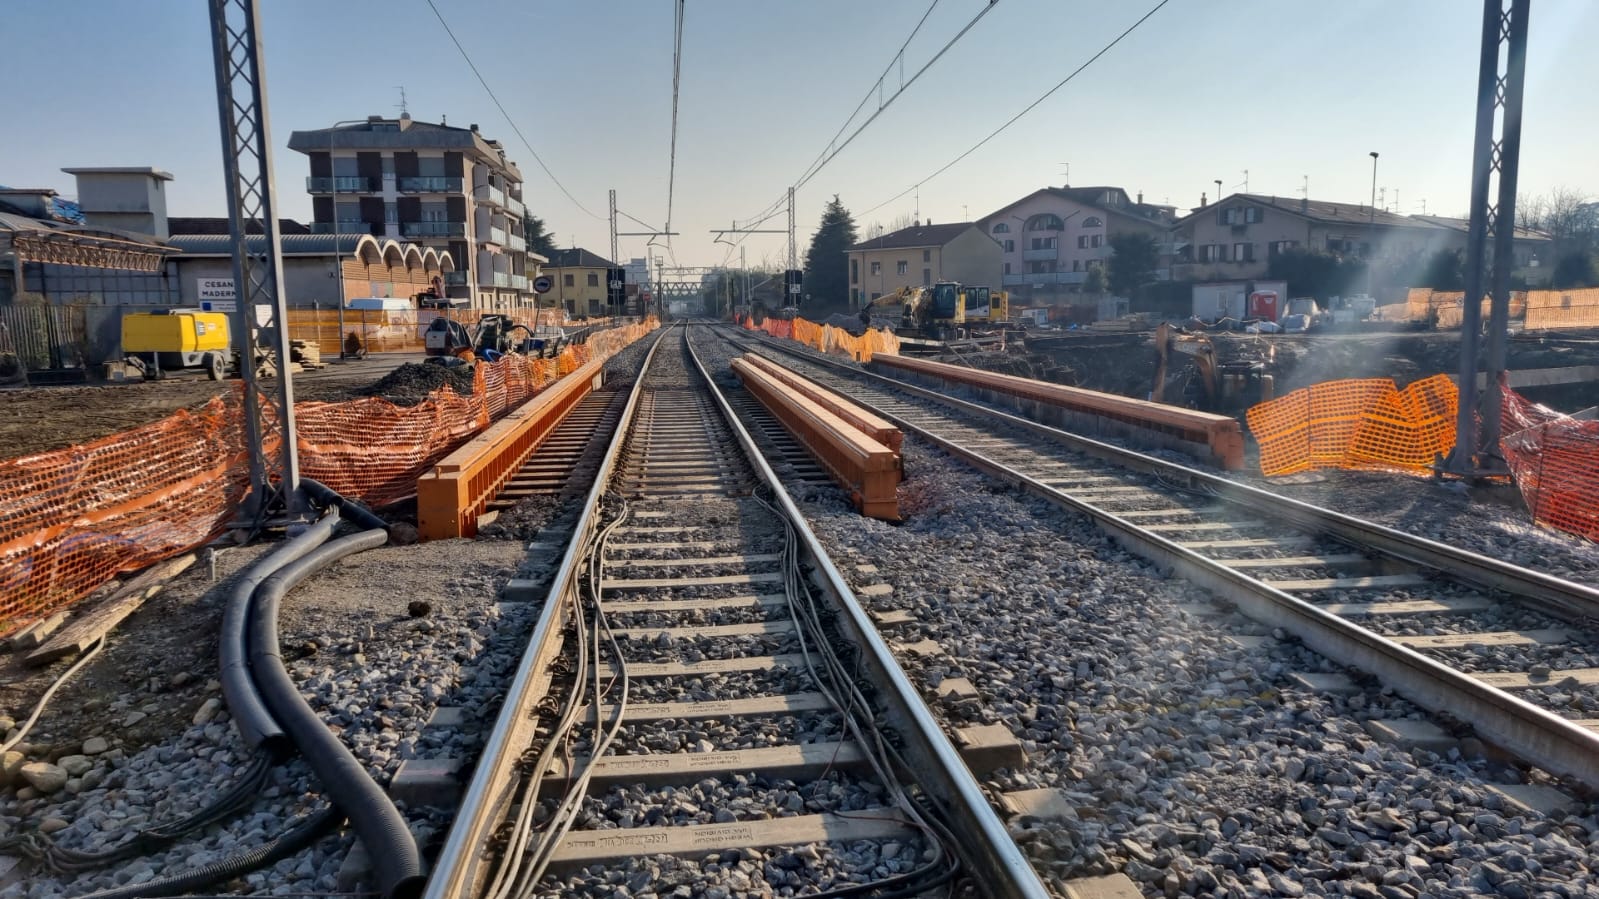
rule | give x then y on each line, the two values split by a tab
616	289
792	279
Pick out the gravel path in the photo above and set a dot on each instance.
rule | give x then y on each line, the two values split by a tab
1197	766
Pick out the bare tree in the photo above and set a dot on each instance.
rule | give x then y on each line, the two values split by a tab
1569	217
1531	210
898	223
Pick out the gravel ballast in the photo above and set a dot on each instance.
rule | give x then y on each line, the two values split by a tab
1195	763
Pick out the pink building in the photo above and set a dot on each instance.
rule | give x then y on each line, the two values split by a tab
1052	236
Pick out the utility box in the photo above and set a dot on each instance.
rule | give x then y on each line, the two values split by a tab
176	339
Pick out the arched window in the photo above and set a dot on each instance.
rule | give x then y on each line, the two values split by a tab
1046	222
1002	228
1093	222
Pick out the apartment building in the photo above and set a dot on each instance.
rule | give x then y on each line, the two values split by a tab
1053	236
578	281
1236	237
433	184
920	255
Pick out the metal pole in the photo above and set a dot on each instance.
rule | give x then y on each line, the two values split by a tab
1372	216
613	229
258	276
1463	459
1504	230
793	253
338	263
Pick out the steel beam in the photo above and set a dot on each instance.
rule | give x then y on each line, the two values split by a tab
257	266
1504	36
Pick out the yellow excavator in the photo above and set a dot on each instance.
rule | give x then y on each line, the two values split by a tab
946	309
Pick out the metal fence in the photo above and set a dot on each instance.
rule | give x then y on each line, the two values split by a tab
45	338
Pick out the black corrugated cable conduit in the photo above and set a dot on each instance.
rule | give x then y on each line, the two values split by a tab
352	510
308	831
256	725
396	860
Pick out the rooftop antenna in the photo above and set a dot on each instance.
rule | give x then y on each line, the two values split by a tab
1397	207
1382	198
405	110
1066	174
1246	181
1304	188
1423	205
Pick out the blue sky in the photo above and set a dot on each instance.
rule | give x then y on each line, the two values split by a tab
1204	90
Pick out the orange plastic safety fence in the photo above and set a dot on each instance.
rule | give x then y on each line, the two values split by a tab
72	519
1356	423
1555	462
829	339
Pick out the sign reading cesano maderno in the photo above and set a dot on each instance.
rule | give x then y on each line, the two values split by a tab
215	288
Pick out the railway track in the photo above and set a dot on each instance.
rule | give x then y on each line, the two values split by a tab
1506	650
702	684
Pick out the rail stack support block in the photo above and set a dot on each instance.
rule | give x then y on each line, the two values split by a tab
454	492
873	426
1217	439
865	467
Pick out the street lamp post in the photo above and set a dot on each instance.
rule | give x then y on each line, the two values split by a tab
1373	217
338	263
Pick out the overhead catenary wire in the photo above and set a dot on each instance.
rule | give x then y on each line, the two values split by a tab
677	74
833	147
1029	108
512	122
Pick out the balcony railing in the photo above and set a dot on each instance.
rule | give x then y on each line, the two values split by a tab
514	206
495	235
433	229
519	282
429	184
1041	254
488	193
343	184
518	243
455	279
1027	278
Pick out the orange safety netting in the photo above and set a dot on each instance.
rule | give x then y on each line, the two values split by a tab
829	339
72	519
1356	423
1554	459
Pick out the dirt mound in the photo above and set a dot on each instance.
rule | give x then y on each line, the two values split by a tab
412	382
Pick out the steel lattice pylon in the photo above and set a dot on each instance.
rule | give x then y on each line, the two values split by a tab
257	267
1504	42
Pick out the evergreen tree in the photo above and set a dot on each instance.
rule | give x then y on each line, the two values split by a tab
1132	262
826	268
538	236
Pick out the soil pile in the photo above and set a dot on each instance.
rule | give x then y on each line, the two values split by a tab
411	383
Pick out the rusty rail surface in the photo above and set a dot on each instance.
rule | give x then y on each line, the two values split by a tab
1216	438
863	466
454	492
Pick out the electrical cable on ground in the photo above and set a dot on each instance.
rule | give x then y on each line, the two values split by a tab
1029	108
466	56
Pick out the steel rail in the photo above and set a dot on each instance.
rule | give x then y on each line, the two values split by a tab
1531	733
459	865
992	856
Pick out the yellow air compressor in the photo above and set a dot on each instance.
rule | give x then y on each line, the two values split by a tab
168	340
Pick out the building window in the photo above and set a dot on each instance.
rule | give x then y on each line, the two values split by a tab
1010	246
1082	241
1002	228
1077	265
854	271
594	279
1093	221
877	269
1278	247
1007	268
391	213
927	277
1243	252
1252	215
1235	215
902	267
1046	222
1096	240
569	280
927	255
